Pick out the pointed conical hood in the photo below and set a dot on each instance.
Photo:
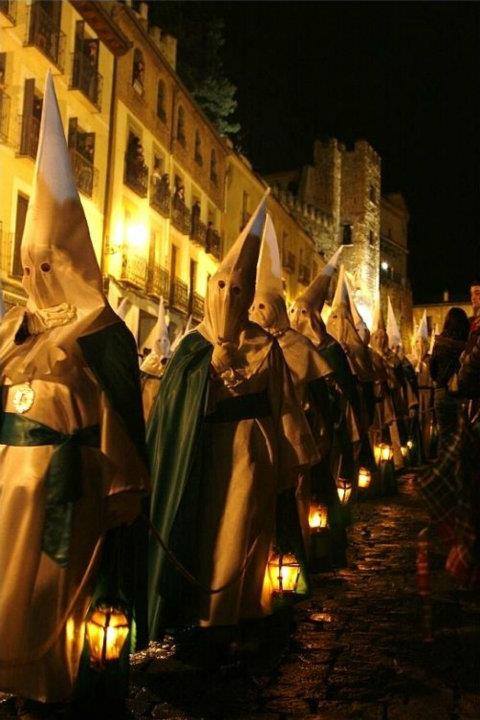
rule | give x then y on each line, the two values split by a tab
393	331
423	327
316	293
158	342
379	337
269	309
341	326
231	289
360	324
123	308
305	314
59	261
432	339
188	328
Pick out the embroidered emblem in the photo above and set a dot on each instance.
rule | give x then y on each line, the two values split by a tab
23	397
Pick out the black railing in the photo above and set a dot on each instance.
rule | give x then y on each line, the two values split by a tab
303	274
197	306
84	171
9	9
160	197
136	176
213	243
86	79
181	218
289	262
4	116
29	132
158	281
198	232
44	33
179	296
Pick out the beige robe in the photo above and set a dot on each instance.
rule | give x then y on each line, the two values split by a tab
248	463
43	605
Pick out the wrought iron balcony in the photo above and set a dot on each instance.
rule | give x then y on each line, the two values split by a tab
197	306
158	282
303	274
136	175
9	9
198	232
86	79
181	216
86	174
214	243
134	270
4	116
160	197
179	296
44	33
29	132
289	262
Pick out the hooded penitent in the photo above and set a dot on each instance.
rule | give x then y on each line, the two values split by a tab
158	343
225	421
270	312
70	438
360	325
305	314
341	326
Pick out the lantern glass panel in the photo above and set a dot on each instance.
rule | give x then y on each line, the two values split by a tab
284	572
107	631
344	490
364	478
318	516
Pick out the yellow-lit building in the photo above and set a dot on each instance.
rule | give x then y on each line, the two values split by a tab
165	196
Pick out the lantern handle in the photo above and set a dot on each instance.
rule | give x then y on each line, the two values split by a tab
188	575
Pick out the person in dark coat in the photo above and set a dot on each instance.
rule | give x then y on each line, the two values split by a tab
444	366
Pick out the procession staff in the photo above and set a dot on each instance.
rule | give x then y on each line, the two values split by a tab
226	436
155	362
72	459
307	368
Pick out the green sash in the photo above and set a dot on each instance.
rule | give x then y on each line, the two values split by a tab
63	482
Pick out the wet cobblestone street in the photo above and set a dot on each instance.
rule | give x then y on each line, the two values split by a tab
364	658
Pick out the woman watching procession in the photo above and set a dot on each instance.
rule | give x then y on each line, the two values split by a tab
72	454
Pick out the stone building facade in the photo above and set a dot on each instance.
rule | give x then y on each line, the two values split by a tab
338	201
165	196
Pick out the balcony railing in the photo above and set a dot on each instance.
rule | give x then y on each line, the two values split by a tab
85	173
197	306
86	79
181	217
136	176
9	9
158	281
134	270
289	262
179	296
4	116
213	243
160	197
198	232
29	132
303	274
45	34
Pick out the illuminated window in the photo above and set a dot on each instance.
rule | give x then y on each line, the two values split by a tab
138	72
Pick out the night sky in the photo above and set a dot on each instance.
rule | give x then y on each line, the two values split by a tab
404	76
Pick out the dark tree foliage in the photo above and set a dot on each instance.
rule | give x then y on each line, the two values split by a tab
200	35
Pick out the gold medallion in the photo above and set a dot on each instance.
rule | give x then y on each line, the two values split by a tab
23	397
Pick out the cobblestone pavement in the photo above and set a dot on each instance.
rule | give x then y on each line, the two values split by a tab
365	659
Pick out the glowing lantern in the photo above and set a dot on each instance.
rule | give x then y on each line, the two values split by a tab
383	453
404	450
364	478
409	444
344	490
318	517
107	632
284	572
